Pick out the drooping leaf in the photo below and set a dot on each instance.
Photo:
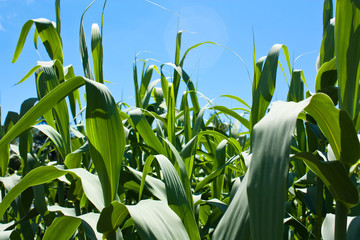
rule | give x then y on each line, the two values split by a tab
155	220
44	174
334	176
43	106
48	36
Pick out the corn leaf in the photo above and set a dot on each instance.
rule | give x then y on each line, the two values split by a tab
48	36
334	176
83	47
267	184
106	137
326	76
54	136
235	223
145	130
97	53
347	45
44	174
62	227
43	106
264	87
176	194
155	220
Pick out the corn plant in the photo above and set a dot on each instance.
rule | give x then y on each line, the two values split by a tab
162	169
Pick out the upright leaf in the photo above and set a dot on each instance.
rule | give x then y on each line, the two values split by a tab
263	90
347	50
97	53
106	137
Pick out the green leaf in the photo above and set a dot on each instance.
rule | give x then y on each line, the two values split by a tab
74	98
296	90
155	220
145	80
48	36
210	177
55	137
234	114
58	19
184	176
328	227
112	217
145	130
267	184
328	12
334	176
327	49
106	137
326	76
237	99
83	47
235	223
33	70
176	194
44	174
220	156
43	106
337	128
62	227
347	38
73	160
264	87
97	53
155	186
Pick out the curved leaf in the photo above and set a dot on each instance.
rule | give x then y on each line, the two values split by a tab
62	227
334	176
44	174
155	220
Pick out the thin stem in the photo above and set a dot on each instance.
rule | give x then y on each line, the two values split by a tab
340	221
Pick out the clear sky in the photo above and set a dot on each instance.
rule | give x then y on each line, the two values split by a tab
137	26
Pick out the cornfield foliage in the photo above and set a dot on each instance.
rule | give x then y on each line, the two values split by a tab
89	167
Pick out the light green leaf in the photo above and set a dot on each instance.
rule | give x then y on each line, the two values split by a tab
263	89
62	227
176	195
55	137
155	220
326	75
234	114
106	137
97	53
112	217
145	130
83	47
43	106
48	36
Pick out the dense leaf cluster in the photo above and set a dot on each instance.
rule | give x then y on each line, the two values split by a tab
161	170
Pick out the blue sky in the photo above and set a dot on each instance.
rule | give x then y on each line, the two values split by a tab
137	26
